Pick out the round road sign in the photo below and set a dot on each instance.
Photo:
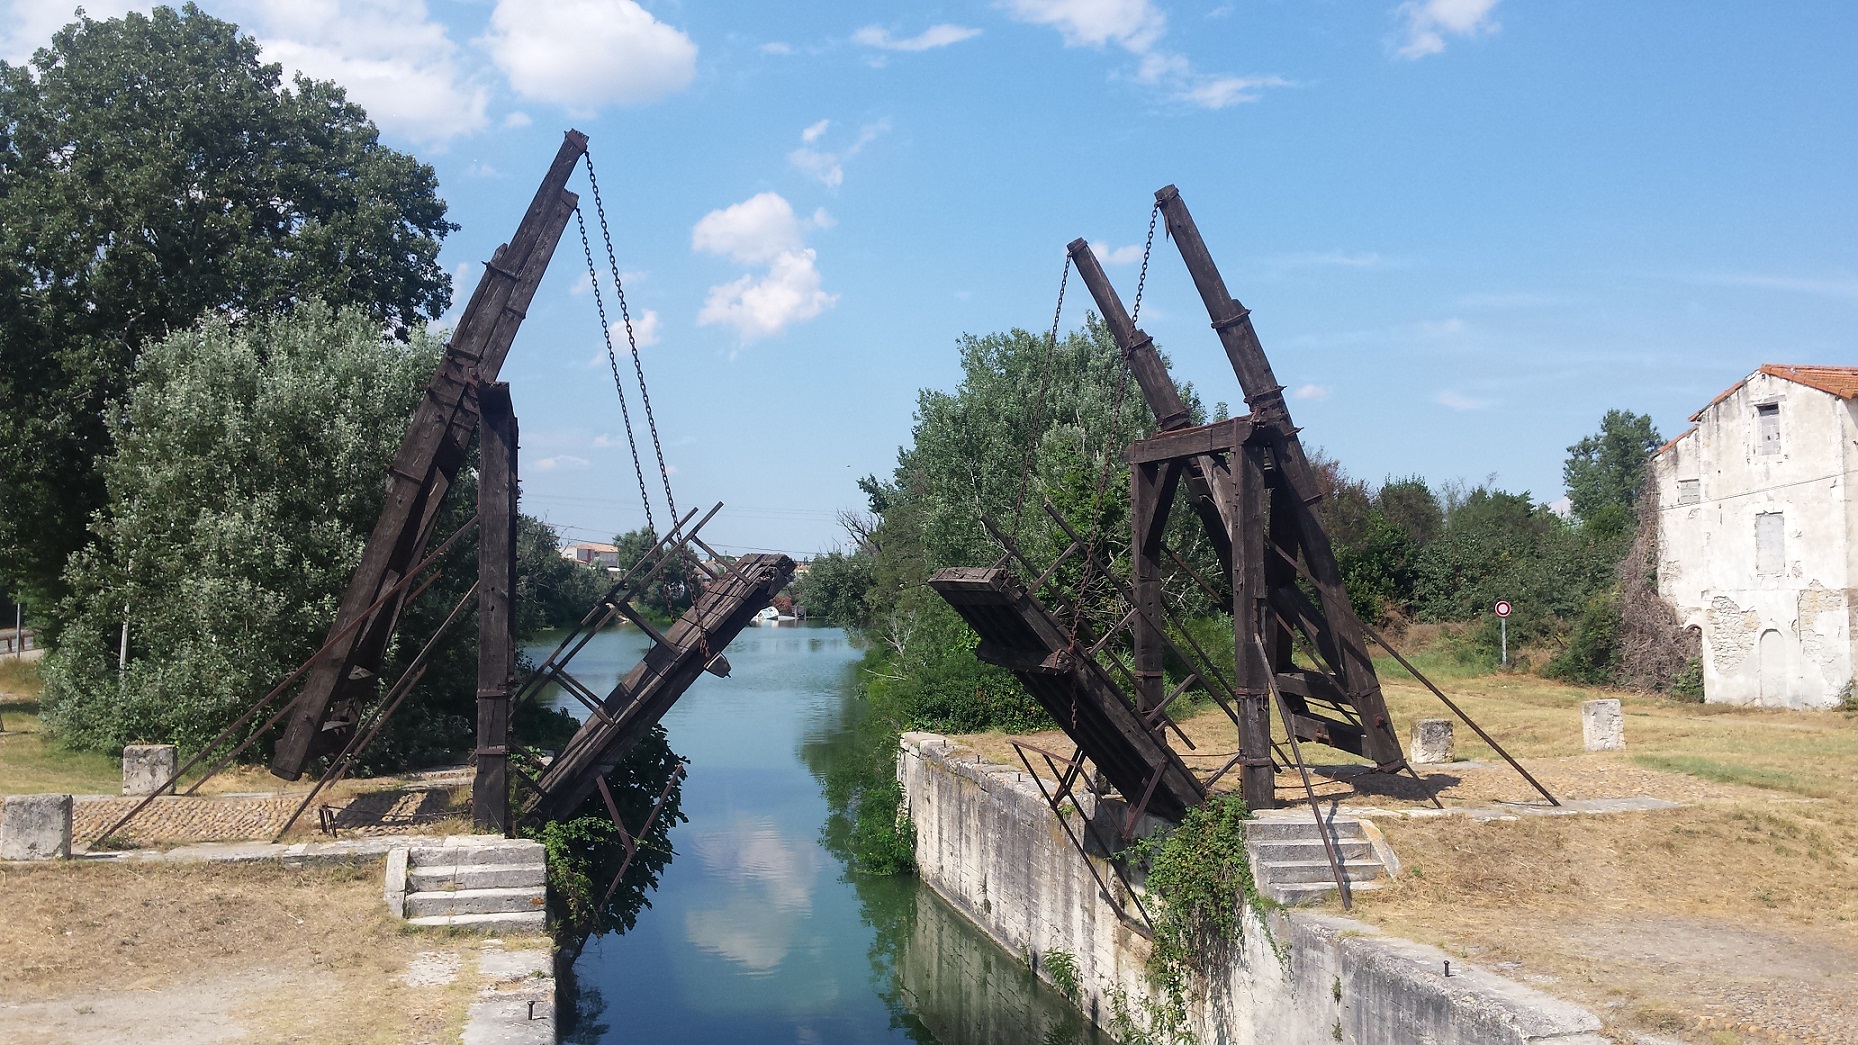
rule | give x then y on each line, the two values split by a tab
1503	607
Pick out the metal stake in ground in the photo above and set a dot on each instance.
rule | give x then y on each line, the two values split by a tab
1503	631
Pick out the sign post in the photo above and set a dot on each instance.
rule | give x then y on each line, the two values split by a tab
1503	630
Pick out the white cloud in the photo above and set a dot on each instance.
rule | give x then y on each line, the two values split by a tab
583	54
829	167
394	61
759	307
391	58
1428	22
1109	255
27	25
1133	24
824	166
1311	391
644	329
1822	286
756	230
1137	27
776	47
762	229
562	462
1459	402
929	39
517	119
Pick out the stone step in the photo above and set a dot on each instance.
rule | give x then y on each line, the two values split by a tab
480	876
477	854
474	901
1298	830
1300	872
1295	893
534	921
1312	849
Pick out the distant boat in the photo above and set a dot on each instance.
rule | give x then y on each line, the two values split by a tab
769	617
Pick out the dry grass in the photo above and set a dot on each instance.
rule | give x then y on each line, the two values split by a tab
1732	919
286	955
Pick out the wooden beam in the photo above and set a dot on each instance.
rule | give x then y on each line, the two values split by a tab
1232	321
1257	780
496	615
430	454
1199	441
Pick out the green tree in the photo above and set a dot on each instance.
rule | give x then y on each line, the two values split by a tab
1605	470
834	588
551	592
667	595
245	481
152	170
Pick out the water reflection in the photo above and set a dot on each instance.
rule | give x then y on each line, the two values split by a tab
757	933
757	922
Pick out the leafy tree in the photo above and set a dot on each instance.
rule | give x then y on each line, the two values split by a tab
551	592
1606	470
152	170
834	588
246	477
1377	567
674	589
968	459
1412	506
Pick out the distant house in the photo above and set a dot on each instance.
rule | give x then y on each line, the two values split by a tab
590	553
1758	536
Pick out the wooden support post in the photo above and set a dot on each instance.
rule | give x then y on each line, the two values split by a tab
1232	321
346	672
496	618
1152	487
1257	781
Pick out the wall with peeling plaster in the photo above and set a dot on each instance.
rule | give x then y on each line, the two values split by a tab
1775	601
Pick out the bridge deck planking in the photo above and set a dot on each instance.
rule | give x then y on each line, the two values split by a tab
1019	634
661	676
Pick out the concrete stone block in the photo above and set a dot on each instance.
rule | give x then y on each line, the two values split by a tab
1603	725
1432	741
146	767
35	827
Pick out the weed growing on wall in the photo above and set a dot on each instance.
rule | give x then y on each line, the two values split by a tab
1062	965
1201	875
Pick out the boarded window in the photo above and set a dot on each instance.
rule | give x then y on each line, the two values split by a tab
1689	491
1768	547
1768	417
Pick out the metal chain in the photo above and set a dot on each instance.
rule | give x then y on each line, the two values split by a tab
612	359
1141	282
638	368
1116	426
1038	404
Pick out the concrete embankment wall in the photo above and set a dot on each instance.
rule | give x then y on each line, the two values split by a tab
987	842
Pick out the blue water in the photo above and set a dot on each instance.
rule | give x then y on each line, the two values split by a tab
756	932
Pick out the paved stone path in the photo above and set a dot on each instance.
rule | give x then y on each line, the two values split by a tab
222	818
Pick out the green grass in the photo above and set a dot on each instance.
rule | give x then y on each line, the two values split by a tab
30	763
1751	776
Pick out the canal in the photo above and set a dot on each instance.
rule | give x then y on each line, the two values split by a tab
757	932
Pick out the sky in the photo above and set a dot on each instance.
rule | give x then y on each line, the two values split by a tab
1465	228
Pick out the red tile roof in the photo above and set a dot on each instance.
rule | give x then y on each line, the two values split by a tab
1841	381
1674	442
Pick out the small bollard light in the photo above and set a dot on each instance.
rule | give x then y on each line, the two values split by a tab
1448	969
532	1008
